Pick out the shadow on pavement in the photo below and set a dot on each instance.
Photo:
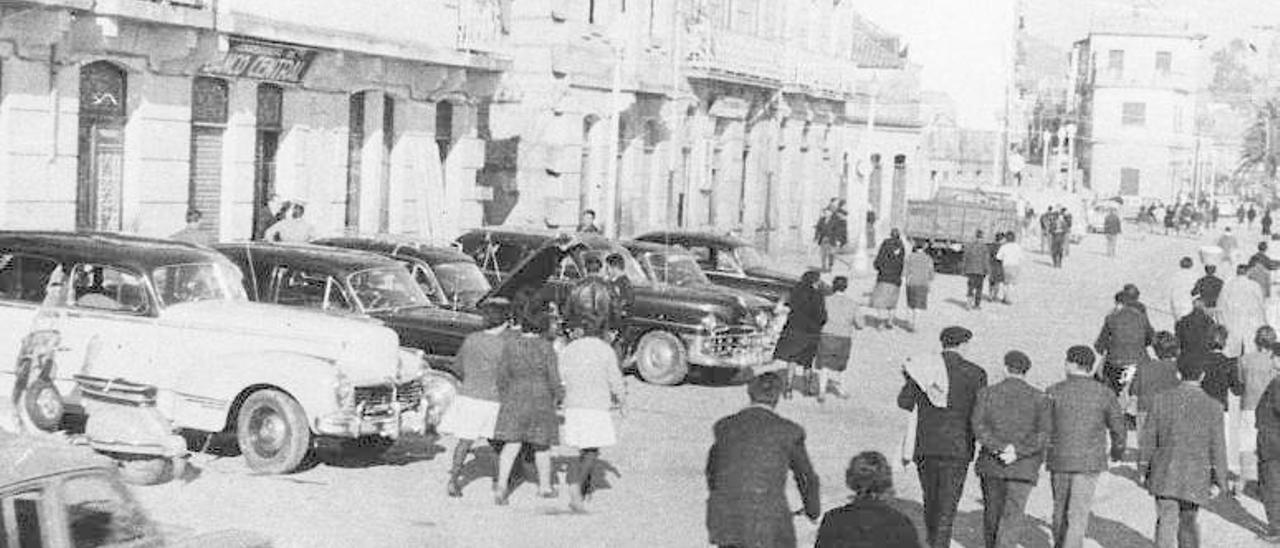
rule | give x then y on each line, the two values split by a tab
1227	508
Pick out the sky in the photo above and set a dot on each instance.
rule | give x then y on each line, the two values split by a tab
962	45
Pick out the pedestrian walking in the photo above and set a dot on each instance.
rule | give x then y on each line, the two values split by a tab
867	521
1207	290
1046	223
995	275
1059	231
835	343
622	295
832	232
1230	247
1126	333
1257	369
1111	228
1084	413
798	344
976	263
918	276
1155	376
1243	311
292	229
820	231
1010	257
1068	223
1195	331
529	389
1012	420
1222	382
1182	457
1268	443
1240	215
747	472
592	384
889	264
1266	223
944	441
1260	266
473	415
1251	215
1179	287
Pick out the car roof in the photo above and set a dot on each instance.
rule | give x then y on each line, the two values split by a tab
310	256
140	253
694	237
653	247
28	457
408	246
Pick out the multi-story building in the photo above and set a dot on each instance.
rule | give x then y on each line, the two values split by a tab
739	115
1136	81
122	115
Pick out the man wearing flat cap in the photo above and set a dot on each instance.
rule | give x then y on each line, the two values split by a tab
1012	421
943	395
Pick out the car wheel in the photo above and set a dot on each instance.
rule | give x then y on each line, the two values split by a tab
272	432
661	358
151	470
44	405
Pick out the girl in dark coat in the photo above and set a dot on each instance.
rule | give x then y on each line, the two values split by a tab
529	389
867	522
889	263
798	343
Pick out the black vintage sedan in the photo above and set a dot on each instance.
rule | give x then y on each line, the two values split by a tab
347	281
669	327
729	261
448	276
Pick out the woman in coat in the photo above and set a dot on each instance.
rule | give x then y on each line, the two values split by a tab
798	343
889	263
867	522
528	391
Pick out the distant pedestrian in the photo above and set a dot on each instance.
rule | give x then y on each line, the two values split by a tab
1257	369
1240	215
747	472
292	229
1155	376
995	274
889	264
1010	257
1266	223
1084	413
192	233
1111	228
832	232
867	521
1126	333
1012	421
1181	456
1179	286
1059	232
1268	444
820	228
587	222
798	344
1251	215
1208	288
835	343
1046	222
1230	246
1243	310
529	389
918	276
975	264
473	415
592	384
944	441
1068	222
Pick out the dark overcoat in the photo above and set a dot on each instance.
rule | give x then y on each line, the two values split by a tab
1183	445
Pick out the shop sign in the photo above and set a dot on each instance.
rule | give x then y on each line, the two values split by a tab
263	61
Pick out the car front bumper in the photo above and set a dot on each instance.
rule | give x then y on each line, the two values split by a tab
387	410
735	350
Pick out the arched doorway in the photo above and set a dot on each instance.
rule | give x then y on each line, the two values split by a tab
100	156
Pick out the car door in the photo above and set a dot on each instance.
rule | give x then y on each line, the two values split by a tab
108	326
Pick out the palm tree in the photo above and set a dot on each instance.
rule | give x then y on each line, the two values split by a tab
1260	150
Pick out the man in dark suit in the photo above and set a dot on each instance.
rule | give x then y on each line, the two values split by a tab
1182	455
1084	411
976	264
1268	424
1012	420
1195	330
944	435
747	473
1126	333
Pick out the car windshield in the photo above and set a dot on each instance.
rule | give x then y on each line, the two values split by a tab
386	288
631	268
750	258
100	512
184	283
462	282
676	269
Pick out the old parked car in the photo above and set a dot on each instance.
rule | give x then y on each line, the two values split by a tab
669	327
729	261
175	316
55	495
448	276
352	282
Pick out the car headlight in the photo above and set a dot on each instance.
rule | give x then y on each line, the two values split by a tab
710	322
412	364
763	318
344	392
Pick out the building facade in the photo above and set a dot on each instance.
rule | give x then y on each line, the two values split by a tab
1136	84
120	116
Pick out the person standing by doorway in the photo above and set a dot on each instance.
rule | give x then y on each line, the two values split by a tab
976	263
1111	227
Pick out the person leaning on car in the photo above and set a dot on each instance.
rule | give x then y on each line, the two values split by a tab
590	305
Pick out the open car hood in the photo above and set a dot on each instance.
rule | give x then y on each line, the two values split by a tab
533	271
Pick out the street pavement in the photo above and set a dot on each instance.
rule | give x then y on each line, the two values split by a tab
657	493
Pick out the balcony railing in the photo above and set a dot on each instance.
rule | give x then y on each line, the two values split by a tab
480	25
729	53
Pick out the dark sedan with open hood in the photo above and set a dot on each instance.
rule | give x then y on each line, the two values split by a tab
668	328
729	261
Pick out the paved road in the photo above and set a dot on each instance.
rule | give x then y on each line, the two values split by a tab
658	494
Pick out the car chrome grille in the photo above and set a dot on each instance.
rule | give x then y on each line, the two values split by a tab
378	399
734	342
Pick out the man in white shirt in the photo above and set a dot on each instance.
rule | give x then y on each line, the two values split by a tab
1180	285
1010	257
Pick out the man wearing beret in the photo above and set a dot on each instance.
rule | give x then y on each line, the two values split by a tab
1084	411
1012	420
944	439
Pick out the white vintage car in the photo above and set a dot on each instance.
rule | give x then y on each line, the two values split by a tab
175	316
